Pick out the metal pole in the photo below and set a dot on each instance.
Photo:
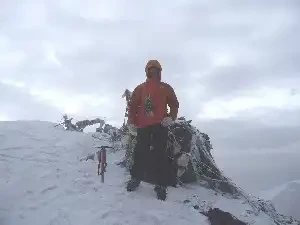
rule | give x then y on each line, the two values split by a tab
103	163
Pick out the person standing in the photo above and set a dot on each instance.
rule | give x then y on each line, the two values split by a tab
148	117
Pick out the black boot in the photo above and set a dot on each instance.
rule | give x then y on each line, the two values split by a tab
133	184
161	192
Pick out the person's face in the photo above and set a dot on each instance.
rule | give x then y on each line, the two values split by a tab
154	72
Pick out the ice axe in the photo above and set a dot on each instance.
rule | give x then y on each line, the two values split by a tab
102	163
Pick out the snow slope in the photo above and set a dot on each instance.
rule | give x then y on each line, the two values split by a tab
286	198
42	182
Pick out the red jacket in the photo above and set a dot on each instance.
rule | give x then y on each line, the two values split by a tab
143	112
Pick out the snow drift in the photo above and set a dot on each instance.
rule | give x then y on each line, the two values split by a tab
44	182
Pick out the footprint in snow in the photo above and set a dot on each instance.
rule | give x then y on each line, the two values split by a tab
48	189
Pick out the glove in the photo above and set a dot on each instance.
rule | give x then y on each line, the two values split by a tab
132	129
167	121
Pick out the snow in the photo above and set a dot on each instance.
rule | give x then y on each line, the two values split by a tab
285	198
42	181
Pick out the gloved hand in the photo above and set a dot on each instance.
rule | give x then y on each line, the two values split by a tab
167	121
132	129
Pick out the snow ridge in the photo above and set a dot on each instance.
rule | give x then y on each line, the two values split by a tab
43	181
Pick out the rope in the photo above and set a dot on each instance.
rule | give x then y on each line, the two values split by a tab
235	186
224	179
210	169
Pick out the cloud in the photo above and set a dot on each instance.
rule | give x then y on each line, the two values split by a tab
270	133
227	61
251	105
17	104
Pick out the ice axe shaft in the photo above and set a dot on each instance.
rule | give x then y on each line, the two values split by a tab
102	161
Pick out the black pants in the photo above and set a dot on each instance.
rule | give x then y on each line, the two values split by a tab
154	162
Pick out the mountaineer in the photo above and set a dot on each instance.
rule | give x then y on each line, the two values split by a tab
149	118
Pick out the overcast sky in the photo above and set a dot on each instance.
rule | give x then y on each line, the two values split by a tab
233	64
